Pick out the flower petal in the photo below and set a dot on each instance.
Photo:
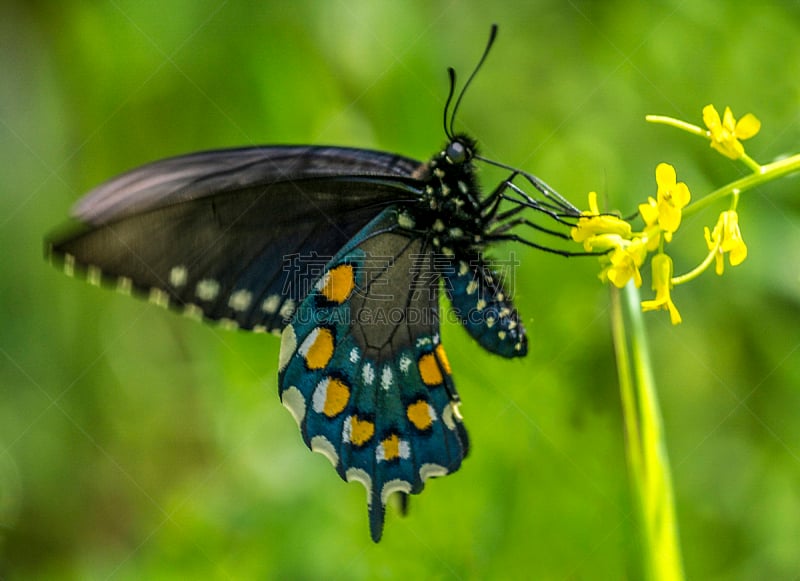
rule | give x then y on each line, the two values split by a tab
738	254
711	117
681	195
728	120
747	126
665	175
649	212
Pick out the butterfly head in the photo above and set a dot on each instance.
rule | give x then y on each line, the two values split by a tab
460	150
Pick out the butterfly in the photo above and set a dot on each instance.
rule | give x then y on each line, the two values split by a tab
342	252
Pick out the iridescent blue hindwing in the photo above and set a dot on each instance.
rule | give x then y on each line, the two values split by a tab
363	372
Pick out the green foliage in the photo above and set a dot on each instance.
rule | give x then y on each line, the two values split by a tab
137	444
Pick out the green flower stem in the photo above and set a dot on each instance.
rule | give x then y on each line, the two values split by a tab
767	173
664	120
751	163
698	270
645	447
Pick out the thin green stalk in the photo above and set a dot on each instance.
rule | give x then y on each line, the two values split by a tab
769	172
645	446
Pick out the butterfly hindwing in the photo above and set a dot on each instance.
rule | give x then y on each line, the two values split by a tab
483	306
364	373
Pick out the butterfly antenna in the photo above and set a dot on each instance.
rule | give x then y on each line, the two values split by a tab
492	37
452	74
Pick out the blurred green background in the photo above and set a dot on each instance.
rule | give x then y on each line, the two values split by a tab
138	444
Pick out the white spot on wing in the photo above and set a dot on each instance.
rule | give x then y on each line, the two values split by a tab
178	275
368	373
320	395
472	287
158	297
288	347
405	363
360	475
192	311
293	400
393	486
271	304
322	445
431	470
240	300
387	378
355	356
308	342
93	275
69	265
447	417
287	309
207	289
124	285
323	281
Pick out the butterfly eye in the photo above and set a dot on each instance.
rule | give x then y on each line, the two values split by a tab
457	152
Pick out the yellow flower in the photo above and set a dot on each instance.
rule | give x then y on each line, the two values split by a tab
665	210
726	237
592	223
726	133
624	262
662	283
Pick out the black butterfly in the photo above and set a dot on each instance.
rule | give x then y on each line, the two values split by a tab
342	251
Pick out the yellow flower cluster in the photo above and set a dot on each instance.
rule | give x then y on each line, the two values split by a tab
625	250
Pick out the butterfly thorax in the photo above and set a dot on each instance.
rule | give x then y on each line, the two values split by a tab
449	210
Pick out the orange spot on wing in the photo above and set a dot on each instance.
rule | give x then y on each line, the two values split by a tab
338	283
419	414
320	351
443	358
336	397
429	370
391	447
360	431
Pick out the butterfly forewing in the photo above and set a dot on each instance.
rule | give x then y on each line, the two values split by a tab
208	173
245	253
